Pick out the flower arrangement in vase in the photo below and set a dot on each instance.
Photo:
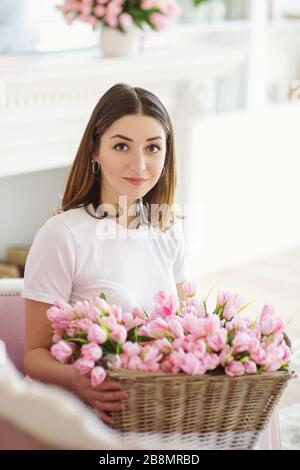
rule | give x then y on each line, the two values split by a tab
121	21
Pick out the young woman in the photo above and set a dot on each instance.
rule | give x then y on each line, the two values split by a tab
117	232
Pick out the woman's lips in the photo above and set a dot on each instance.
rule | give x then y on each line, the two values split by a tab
136	181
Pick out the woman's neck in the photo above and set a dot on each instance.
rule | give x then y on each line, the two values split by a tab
123	209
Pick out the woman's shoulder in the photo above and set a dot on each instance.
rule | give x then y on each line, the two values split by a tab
64	223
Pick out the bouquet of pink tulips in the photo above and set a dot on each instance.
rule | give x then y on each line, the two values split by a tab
122	14
177	336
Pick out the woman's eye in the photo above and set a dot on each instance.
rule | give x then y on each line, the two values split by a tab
119	145
156	146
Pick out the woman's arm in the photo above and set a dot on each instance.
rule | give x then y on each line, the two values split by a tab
38	362
40	365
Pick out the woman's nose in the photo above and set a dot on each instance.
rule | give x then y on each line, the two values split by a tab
138	163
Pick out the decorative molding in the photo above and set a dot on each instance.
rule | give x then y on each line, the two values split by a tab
46	100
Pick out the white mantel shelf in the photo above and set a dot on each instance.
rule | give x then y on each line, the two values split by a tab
46	99
30	75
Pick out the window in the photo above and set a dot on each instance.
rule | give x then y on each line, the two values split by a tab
37	26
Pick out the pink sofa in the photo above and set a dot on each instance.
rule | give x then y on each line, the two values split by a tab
12	324
12	316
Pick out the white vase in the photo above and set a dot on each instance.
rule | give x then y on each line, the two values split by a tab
114	43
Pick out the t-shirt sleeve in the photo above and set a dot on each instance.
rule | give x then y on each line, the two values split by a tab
50	264
181	267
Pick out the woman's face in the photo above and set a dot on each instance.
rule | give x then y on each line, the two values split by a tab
134	146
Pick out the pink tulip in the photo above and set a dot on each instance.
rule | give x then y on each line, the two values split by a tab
132	349
192	365
146	4
222	298
93	313
126	21
259	356
230	310
83	324
190	309
189	288
119	334
60	312
250	367
211	361
84	365
98	375
199	349
177	359
151	354
158	328
91	351
159	21
56	338
86	9
217	341
161	297
273	366
111	19
254	345
269	322
96	334
241	342
135	363
109	321
62	351
130	322
138	312
176	328
234	369
170	8
232	305
102	304
60	325
164	345
194	325
71	333
192	305
169	306
212	324
99	11
117	312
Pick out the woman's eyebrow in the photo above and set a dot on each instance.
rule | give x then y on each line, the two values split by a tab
130	140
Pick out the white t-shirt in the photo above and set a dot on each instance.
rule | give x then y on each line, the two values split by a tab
76	257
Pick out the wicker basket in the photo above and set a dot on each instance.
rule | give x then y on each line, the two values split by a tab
213	411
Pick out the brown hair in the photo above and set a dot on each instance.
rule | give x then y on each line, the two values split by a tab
83	187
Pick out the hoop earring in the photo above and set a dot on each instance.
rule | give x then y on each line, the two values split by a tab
97	170
163	171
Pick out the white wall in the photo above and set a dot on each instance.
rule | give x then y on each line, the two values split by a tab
26	202
246	181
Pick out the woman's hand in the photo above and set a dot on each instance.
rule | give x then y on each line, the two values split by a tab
104	398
